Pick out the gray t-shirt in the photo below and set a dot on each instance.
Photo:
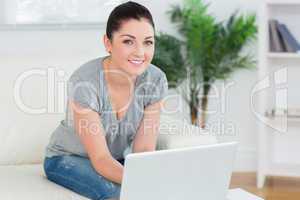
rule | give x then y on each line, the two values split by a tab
87	86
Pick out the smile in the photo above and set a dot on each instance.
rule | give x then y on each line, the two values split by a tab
136	62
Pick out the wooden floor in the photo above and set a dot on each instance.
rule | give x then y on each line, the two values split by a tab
276	188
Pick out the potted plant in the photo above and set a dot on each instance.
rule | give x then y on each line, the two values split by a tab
212	51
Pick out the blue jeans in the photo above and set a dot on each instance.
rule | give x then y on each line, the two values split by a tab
77	174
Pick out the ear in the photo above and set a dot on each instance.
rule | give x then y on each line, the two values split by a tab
107	43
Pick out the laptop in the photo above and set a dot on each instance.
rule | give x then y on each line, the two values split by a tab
191	173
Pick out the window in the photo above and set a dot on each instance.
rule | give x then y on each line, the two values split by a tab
55	11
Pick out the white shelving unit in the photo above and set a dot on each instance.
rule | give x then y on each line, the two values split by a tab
284	55
278	138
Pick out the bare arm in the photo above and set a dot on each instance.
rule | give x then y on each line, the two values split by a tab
89	128
146	137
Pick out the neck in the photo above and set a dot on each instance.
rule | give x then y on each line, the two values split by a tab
115	76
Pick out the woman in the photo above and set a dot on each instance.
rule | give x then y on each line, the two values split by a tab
113	109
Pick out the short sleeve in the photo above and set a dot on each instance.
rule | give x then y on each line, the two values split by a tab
84	93
157	90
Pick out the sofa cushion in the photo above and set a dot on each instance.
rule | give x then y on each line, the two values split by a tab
175	133
28	182
25	140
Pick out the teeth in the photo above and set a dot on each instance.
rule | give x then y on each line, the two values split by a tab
136	61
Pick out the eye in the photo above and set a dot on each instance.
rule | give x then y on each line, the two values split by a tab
128	42
149	42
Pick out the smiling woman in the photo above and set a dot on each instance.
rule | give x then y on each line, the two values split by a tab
113	109
133	49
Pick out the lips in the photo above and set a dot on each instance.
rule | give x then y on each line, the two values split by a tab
136	62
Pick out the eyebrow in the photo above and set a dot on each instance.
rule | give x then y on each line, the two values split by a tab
131	36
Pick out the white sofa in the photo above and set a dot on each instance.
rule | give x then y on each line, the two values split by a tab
23	145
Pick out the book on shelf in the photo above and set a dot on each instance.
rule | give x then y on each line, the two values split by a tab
289	40
276	44
281	38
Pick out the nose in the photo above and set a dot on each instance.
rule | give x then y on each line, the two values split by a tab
139	50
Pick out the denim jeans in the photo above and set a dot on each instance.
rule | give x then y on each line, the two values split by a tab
77	174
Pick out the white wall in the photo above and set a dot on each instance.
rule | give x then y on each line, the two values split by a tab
66	49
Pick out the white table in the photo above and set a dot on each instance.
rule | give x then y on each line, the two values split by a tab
240	194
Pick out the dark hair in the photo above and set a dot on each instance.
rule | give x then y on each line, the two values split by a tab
124	12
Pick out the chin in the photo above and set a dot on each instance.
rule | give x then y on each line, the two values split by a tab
135	73
136	70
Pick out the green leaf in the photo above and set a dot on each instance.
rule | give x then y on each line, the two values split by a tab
168	57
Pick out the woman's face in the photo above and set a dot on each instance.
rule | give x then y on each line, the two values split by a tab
132	46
